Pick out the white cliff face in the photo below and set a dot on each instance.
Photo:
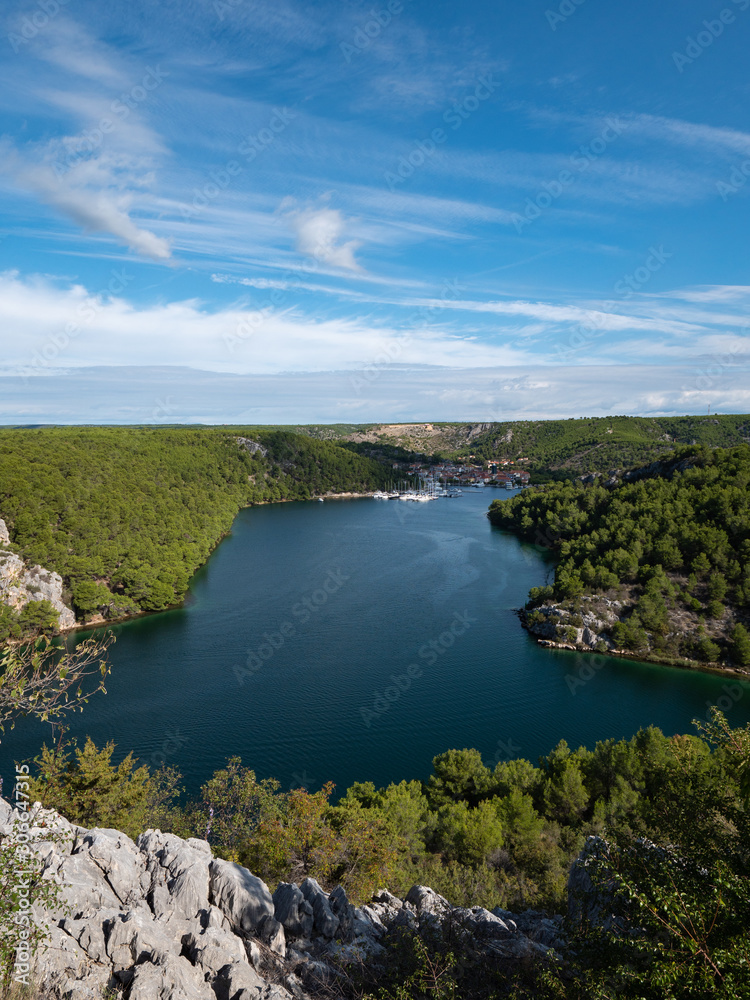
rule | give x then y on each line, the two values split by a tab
20	583
163	919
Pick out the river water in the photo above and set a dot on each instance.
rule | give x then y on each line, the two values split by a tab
354	640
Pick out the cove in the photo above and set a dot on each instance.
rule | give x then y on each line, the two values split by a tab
354	640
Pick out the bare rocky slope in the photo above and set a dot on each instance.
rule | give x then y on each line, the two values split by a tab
162	919
20	583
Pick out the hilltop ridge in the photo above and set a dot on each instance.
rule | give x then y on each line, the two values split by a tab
565	447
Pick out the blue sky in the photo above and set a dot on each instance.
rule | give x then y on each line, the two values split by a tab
339	211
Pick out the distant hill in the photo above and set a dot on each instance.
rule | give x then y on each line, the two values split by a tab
550	448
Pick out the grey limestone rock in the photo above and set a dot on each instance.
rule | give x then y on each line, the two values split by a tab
121	862
136	938
20	584
181	867
174	979
326	923
426	900
271	933
235	978
481	924
293	911
243	898
213	948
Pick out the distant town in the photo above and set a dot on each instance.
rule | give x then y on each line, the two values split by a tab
469	472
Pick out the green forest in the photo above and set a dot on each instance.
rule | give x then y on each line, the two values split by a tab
604	443
493	836
555	449
672	541
126	514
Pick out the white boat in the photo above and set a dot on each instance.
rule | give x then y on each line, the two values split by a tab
379	495
319	499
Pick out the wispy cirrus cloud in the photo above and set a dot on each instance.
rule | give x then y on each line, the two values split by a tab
90	195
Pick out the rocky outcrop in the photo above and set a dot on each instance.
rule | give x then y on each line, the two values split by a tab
251	446
20	584
160	918
4	535
592	625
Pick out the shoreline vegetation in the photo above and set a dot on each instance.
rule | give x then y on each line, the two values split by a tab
127	515
653	565
99	620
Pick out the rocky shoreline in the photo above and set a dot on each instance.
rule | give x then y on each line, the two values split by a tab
589	631
161	918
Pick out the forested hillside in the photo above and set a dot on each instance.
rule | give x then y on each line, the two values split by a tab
604	443
669	550
549	447
126	515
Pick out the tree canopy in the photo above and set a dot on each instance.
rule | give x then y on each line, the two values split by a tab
127	514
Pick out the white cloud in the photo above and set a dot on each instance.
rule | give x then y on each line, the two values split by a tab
692	134
319	235
708	294
553	313
92	194
71	48
46	327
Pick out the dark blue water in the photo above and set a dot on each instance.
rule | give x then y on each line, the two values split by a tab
355	640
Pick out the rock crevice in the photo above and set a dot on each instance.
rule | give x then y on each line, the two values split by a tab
160	918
